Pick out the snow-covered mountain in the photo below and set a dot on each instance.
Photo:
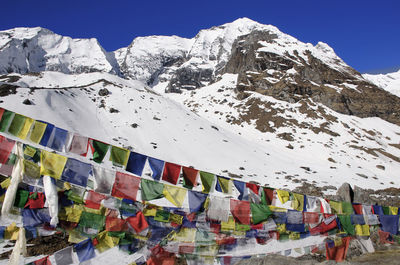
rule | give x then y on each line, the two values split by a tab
390	82
252	103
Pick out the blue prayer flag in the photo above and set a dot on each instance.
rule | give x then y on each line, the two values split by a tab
85	250
240	186
59	139
377	209
136	163
295	228
196	200
47	133
389	223
76	172
357	219
156	166
34	217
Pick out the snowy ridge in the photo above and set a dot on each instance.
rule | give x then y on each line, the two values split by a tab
390	82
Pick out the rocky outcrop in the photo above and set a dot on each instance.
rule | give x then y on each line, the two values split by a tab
293	73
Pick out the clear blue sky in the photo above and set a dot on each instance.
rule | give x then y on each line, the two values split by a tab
366	34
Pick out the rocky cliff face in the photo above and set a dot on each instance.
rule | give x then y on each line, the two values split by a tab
292	71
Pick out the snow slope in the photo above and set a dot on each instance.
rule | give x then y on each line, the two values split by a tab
390	82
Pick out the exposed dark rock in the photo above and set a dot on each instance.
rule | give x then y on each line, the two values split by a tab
27	102
104	92
113	110
134	125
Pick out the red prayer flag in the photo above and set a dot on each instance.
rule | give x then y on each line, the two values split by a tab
269	195
190	176
125	186
171	172
6	147
35	201
311	218
241	211
1	113
253	187
338	253
114	224
138	222
93	200
358	208
42	261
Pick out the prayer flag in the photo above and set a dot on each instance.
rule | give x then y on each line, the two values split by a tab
157	167
103	179
207	180
358	208
151	190
240	187
389	223
59	140
93	200
240	211
21	197
267	196
119	156
26	128
357	219
6	120
259	212
52	164
6	147
338	253
298	202
283	196
348	227
99	150
175	195
136	163
64	256
34	217
138	222
294	217
37	131
48	131
105	241
115	224
336	207
35	200
76	172
1	113
79	145
362	230
43	261
85	250
223	184
125	186
189	177
162	216
171	173
377	209
196	201
347	208
17	124
218	208
92	220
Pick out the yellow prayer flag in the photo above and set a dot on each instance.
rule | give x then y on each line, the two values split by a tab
37	131
337	207
150	211
281	228
186	235
52	164
393	210
73	214
175	195
2	197
298	202
294	236
283	195
362	230
75	237
228	226
106	241
5	183
11	232
277	209
338	241
29	151
26	128
176	218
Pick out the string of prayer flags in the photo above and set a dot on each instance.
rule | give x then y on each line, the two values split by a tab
171	173
119	156
99	150
196	200
223	184
6	147
240	211
76	172
175	195
157	167
37	132
207	180
126	186
136	163
103	179
48	131
189	177
84	250
151	190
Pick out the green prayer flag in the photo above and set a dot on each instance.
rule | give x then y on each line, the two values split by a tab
74	197
92	220
99	150
5	120
207	180
347	208
12	159
283	237
225	184
386	210
21	198
151	190
345	221
259	212
161	216
16	124
118	234
242	227
119	156
31	169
